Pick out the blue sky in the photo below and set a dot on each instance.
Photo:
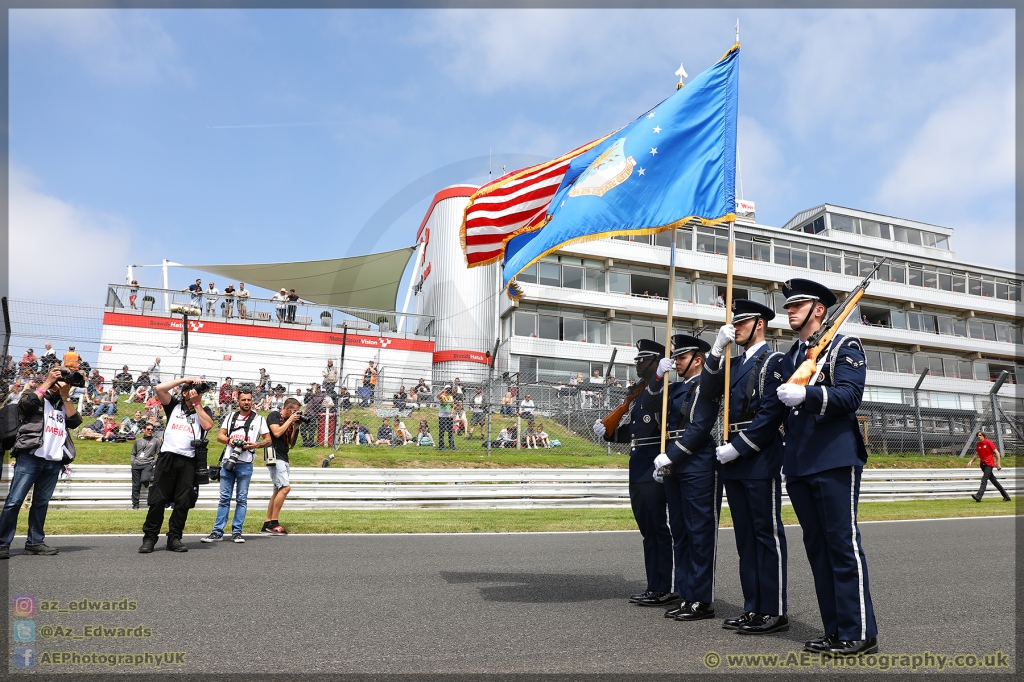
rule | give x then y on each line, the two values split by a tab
266	135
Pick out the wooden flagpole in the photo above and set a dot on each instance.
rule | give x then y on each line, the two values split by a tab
727	352
668	336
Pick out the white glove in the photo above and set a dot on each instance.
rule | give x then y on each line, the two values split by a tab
792	394
658	476
599	429
782	475
726	453
726	335
662	460
665	365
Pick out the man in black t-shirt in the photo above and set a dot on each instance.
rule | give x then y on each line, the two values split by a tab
283	434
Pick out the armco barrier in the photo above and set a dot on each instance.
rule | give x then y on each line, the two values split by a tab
109	487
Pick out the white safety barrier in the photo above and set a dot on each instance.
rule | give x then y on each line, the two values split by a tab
109	487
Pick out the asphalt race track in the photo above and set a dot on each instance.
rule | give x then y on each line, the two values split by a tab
529	603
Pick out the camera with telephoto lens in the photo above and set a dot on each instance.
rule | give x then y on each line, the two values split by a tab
71	378
302	419
201	446
200	388
237	445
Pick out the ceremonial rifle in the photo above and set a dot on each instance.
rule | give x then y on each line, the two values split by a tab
819	340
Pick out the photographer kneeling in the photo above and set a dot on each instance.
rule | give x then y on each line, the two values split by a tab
239	432
181	465
283	432
47	414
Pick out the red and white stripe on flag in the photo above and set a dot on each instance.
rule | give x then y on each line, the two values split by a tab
511	205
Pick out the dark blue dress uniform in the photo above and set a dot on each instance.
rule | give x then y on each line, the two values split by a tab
824	458
693	489
642	428
753	482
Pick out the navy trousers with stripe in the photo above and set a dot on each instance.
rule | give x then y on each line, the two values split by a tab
694	507
650	512
756	509
826	505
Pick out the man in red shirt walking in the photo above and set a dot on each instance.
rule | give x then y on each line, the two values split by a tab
984	452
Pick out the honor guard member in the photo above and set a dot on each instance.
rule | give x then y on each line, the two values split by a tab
824	457
642	430
693	489
751	461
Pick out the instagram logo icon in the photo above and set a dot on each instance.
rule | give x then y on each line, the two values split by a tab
24	605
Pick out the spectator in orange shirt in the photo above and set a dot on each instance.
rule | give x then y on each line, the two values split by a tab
72	360
984	452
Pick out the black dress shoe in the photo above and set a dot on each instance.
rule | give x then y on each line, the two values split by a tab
658	599
696	610
733	623
672	613
848	647
176	545
633	598
762	624
821	644
975	498
147	546
41	550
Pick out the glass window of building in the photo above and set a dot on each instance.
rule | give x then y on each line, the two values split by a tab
897	272
964	370
916	277
1003	333
525	324
528	275
960	328
706	293
935	366
942	242
843	223
548	274
981	370
683	291
930	277
974	326
888	361
595	280
870	228
621	333
574	329
960	282
950	368
643	331
548	327
833	260
904	363
945	324
898	318
989	329
572	277
874	359
798	255
782	252
945	279
597	331
618	282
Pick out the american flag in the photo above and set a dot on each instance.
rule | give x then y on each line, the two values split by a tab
512	205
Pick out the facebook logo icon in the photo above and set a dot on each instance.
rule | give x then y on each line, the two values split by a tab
24	657
24	631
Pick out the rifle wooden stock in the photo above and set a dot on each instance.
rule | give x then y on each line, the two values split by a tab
611	422
807	369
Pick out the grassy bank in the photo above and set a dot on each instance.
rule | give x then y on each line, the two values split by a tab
478	520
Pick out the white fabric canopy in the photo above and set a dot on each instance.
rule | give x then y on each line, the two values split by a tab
369	281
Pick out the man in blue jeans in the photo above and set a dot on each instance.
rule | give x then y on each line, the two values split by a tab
47	415
242	432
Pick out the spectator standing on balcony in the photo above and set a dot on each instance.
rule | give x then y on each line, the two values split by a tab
445	424
123	381
133	294
196	292
293	298
280	302
72	360
988	455
243	296
229	300
330	375
212	295
154	372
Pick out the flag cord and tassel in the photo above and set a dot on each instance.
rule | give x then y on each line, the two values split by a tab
726	352
668	336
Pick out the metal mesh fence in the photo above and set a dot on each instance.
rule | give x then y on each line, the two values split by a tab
325	362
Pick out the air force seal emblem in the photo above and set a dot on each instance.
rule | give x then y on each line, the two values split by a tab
608	171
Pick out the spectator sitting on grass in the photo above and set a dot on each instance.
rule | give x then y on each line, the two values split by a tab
423	435
109	429
153	409
107	404
95	430
412	401
362	434
346	432
542	436
385	436
459	421
129	427
531	437
403	433
396	402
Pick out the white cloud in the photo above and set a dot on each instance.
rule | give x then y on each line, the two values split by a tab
113	45
46	232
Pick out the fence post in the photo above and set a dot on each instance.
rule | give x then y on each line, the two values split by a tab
917	411
995	409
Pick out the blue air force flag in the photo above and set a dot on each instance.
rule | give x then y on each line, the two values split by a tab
675	164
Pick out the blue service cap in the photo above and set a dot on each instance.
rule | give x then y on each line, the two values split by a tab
800	290
646	348
684	343
743	309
